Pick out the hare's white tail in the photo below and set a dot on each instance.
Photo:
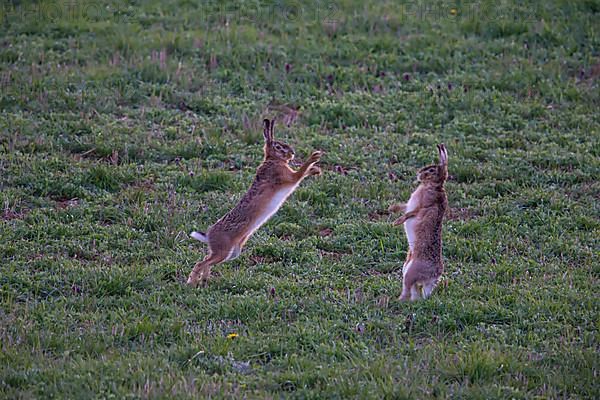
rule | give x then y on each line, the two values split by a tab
199	236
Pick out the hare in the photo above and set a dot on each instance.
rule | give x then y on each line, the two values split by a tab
275	181
422	219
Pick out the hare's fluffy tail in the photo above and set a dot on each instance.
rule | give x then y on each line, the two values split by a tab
199	236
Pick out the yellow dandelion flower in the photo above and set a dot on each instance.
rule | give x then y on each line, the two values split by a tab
453	11
232	336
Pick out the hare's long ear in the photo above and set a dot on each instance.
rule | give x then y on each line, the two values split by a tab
268	131
272	128
443	154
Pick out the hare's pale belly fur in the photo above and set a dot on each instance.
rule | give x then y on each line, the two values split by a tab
410	224
271	207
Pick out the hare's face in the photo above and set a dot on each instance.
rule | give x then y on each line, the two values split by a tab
281	151
274	148
432	173
426	174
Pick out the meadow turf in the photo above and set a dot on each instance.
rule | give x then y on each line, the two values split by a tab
126	125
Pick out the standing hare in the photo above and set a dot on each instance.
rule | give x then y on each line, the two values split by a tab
275	181
422	219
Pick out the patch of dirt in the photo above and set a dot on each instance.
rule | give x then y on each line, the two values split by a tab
383	301
62	204
98	155
341	170
462	214
378	215
577	192
331	255
372	272
595	71
255	260
9	215
325	232
146	185
284	113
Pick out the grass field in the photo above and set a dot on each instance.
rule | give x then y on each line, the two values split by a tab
126	125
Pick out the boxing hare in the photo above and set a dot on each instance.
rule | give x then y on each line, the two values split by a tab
422	219
275	181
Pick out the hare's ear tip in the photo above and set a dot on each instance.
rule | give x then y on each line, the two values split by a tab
266	122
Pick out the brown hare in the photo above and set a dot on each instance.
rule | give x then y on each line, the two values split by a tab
422	219
275	181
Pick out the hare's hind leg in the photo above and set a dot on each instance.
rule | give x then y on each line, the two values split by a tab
407	281
237	249
415	292
234	252
409	286
412	292
411	289
429	286
407	262
201	270
405	293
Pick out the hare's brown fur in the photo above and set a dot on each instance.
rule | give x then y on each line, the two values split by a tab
422	221
274	182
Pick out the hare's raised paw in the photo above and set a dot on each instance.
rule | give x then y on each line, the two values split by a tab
400	220
314	171
315	156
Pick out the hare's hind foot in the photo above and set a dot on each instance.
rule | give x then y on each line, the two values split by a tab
428	287
201	271
412	294
419	290
415	292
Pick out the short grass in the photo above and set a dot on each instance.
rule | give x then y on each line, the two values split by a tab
125	125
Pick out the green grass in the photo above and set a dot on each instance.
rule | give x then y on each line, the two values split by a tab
126	126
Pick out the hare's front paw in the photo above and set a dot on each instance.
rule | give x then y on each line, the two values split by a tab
196	281
192	280
315	156
314	171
